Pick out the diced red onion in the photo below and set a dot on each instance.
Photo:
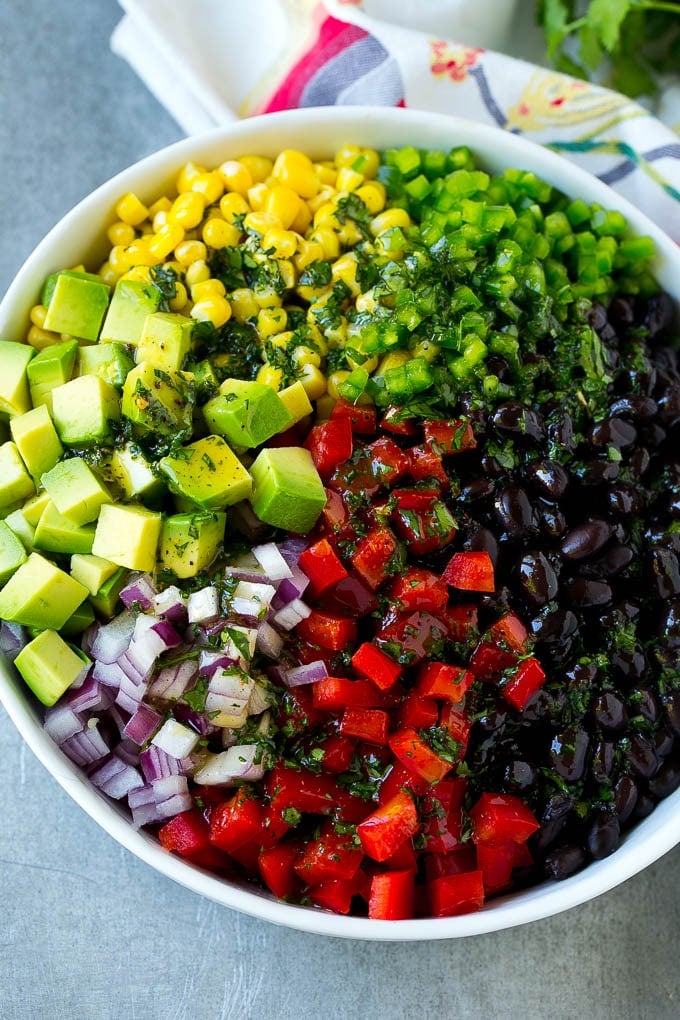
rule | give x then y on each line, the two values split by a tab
225	767
139	591
160	799
272	562
130	694
142	725
87	746
173	681
194	719
290	588
167	633
108	673
170	604
119	716
175	739
231	648
128	752
208	662
269	641
156	763
259	699
292	614
62	722
203	605
131	670
291	548
91	697
251	599
253	574
112	639
116	777
308	673
12	639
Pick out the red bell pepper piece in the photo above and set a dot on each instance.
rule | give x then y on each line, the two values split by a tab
442	814
393	422
425	531
416	499
487	661
518	688
247	856
426	463
329	857
404	858
336	693
419	589
391	896
301	789
335	518
389	461
418	713
350	595
452	895
186	833
330	444
417	756
450	437
457	724
369	724
383	831
498	862
373	555
398	779
462	620
444	681
297	711
322	566
499	818
362	417
376	666
236	822
274	826
277	870
415	635
471	571
327	630
338	752
461	859
335	895
509	632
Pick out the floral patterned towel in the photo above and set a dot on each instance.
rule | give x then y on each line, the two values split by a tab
208	61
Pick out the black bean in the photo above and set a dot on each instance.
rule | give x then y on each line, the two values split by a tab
538	707
492	721
642	757
614	432
584	592
669	405
585	540
602	761
547	478
621	311
568	753
553	821
514	512
644	806
641	701
639	461
603	835
625	798
610	712
518	421
560	430
664	742
537	578
597	472
520	776
671	704
553	522
564	861
630	663
478	488
659	315
597	316
624	499
554	625
653	435
637	408
613	560
484	540
664	573
666	781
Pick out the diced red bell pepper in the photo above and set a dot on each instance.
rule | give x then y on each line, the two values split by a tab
296	710
327	630
462	620
398	779
417	588
499	818
350	595
461	859
274	826
186	833
383	831
329	857
236	822
417	756
301	789
444	681
421	498
369	724
523	683
277	870
390	462
391	896
376	666
442	815
452	895
450	437
373	555
457	724
247	856
425	531
336	693
335	517
498	862
392	421
362	417
487	662
322	566
426	463
335	895
471	571
416	635
338	752
509	632
404	858
418	713
330	444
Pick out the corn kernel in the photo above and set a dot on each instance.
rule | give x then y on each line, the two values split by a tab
37	315
426	349
313	381
140	273
210	185
373	196
326	172
181	297
121	233
205	289
370	364
236	176
329	241
257	196
166	240
282	243
214	309
243	304
130	210
39	338
119	260
349	234
366	302
345	269
348	179
267	297
393	359
303	355
260	167
303	218
217	233
288	274
324	213
324	407
187	174
158	222
260	222
269	375
187	210
308	252
190	251
284	203
333	382
388	219
162	204
196	273
271	321
108	274
347	155
233	205
295	170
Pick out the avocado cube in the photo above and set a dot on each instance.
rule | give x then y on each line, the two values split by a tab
50	368
131	302
134	473
33	507
128	536
246	413
40	594
190	542
51	282
83	410
37	440
158	401
92	571
24	531
16	484
295	400
76	491
12	552
105	602
287	490
165	340
208	473
49	666
78	621
58	534
14	360
111	362
205	380
78	305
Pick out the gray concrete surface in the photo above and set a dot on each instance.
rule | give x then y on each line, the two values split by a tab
88	932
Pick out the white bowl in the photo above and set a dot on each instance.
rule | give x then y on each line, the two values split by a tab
80	237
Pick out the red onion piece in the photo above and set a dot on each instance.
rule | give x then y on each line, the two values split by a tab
269	642
62	721
271	560
208	662
112	639
156	763
143	724
93	696
86	747
173	681
139	591
170	604
292	614
116	777
203	605
291	549
309	673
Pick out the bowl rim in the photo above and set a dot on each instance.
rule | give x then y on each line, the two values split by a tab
651	838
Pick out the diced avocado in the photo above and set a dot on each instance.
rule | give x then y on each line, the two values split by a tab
14	360
208	473
109	361
92	571
84	409
21	528
12	552
296	401
128	535
159	401
132	301
78	621
205	380
51	367
165	340
287	490
246	413
33	507
78	305
51	282
40	594
57	533
190	542
75	489
16	484
49	666
134	473
105	602
37	440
